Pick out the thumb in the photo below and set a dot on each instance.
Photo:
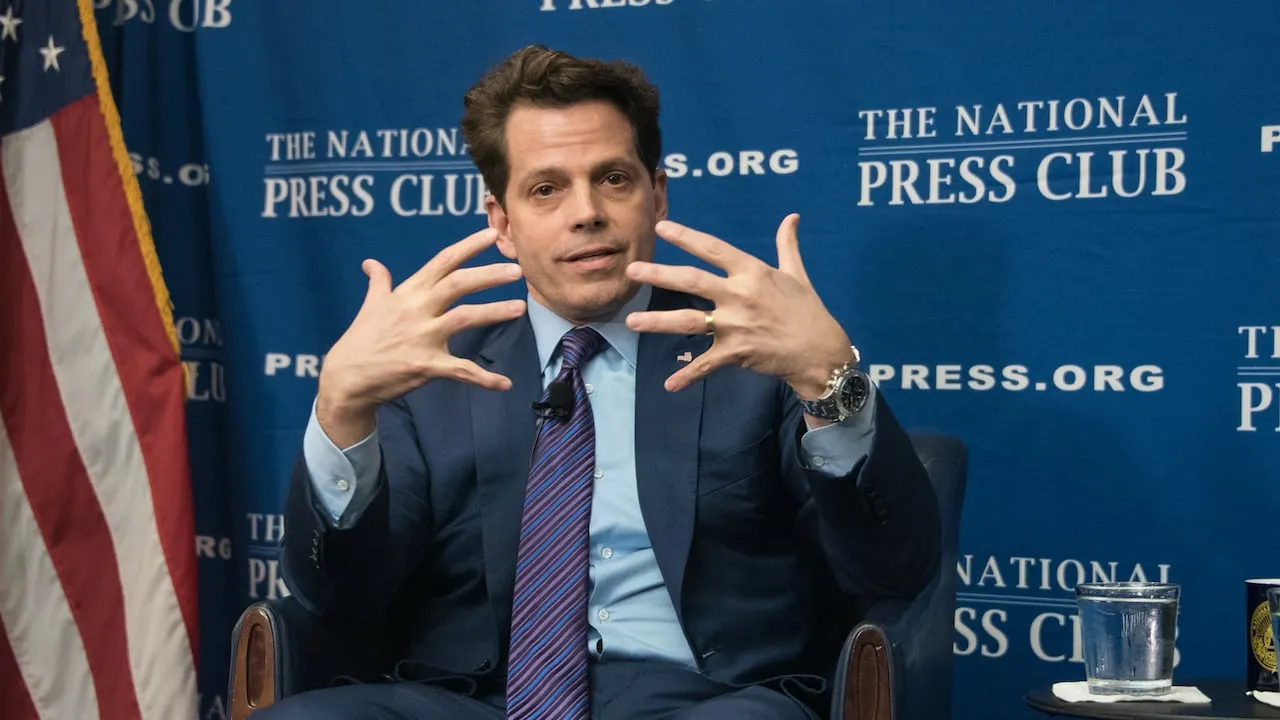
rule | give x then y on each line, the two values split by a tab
788	242
468	372
379	278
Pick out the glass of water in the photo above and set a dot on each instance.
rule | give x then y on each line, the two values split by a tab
1128	632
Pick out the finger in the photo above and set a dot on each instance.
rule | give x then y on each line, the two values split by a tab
452	256
688	279
701	366
465	281
788	241
680	322
468	372
379	278
469	316
708	247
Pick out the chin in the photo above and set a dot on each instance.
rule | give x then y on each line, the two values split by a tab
598	303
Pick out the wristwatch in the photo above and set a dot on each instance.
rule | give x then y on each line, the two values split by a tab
846	394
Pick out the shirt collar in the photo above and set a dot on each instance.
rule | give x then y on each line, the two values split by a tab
549	327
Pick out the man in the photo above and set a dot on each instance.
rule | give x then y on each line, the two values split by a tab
710	488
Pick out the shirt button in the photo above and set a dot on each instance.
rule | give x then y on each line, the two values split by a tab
603	615
606	552
819	461
598	474
343	485
589	388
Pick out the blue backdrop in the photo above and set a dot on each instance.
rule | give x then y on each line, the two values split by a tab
1050	227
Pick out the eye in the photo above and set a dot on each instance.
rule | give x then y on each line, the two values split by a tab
615	178
543	190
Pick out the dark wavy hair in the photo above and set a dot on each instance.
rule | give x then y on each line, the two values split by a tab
541	77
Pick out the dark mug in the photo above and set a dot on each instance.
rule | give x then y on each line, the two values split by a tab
1260	661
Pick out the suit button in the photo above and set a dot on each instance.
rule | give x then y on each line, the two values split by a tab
483	666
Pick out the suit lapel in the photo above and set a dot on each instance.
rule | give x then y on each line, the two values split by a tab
667	432
502	425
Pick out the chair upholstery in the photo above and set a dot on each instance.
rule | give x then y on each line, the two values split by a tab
896	664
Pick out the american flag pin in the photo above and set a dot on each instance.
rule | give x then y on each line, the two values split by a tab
686	357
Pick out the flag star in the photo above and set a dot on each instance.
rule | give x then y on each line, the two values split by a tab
51	53
10	23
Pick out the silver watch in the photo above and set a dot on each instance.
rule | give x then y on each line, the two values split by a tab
847	391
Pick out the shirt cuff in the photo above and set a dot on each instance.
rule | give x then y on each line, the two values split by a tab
835	449
344	480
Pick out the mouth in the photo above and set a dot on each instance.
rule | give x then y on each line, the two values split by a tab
593	257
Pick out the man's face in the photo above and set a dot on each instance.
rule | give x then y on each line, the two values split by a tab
579	207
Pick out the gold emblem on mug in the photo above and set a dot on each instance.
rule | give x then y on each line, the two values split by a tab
1260	638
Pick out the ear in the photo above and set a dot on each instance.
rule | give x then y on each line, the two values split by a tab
498	221
660	194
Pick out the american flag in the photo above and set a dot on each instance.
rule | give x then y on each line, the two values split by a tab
97	562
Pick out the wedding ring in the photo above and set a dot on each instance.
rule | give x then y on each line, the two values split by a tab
711	325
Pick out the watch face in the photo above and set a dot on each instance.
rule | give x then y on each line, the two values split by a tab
853	393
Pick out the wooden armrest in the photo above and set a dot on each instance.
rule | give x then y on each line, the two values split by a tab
868	682
253	663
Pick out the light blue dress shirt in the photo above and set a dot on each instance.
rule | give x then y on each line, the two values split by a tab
630	611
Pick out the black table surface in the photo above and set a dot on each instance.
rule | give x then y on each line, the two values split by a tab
1227	696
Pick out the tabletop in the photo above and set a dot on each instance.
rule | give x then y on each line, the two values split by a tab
1227	696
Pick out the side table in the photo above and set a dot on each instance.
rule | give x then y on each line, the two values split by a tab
1229	703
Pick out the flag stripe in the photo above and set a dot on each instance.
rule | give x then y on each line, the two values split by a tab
17	699
159	650
150	374
36	623
114	131
48	466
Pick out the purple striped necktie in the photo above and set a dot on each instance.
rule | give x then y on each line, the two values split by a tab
547	673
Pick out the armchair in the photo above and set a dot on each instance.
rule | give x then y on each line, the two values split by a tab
896	664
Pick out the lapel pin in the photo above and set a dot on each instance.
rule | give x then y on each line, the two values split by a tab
686	357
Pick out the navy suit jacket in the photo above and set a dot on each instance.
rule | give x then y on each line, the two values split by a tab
768	564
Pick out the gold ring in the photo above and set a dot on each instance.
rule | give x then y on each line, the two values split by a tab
711	325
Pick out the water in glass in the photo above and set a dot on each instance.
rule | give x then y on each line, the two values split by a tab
1128	632
1273	598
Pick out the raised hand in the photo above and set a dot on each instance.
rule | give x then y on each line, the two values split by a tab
766	319
398	340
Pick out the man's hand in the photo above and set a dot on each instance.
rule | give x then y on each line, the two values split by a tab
767	319
399	339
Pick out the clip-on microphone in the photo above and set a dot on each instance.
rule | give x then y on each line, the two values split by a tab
559	403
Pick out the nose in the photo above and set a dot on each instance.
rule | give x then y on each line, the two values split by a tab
586	210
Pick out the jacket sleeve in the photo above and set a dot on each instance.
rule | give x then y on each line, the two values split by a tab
355	566
878	524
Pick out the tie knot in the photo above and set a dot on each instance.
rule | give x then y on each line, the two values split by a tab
578	346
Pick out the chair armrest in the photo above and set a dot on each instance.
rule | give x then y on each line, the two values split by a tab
896	664
893	666
279	648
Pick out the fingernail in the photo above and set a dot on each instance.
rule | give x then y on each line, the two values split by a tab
513	271
516	305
